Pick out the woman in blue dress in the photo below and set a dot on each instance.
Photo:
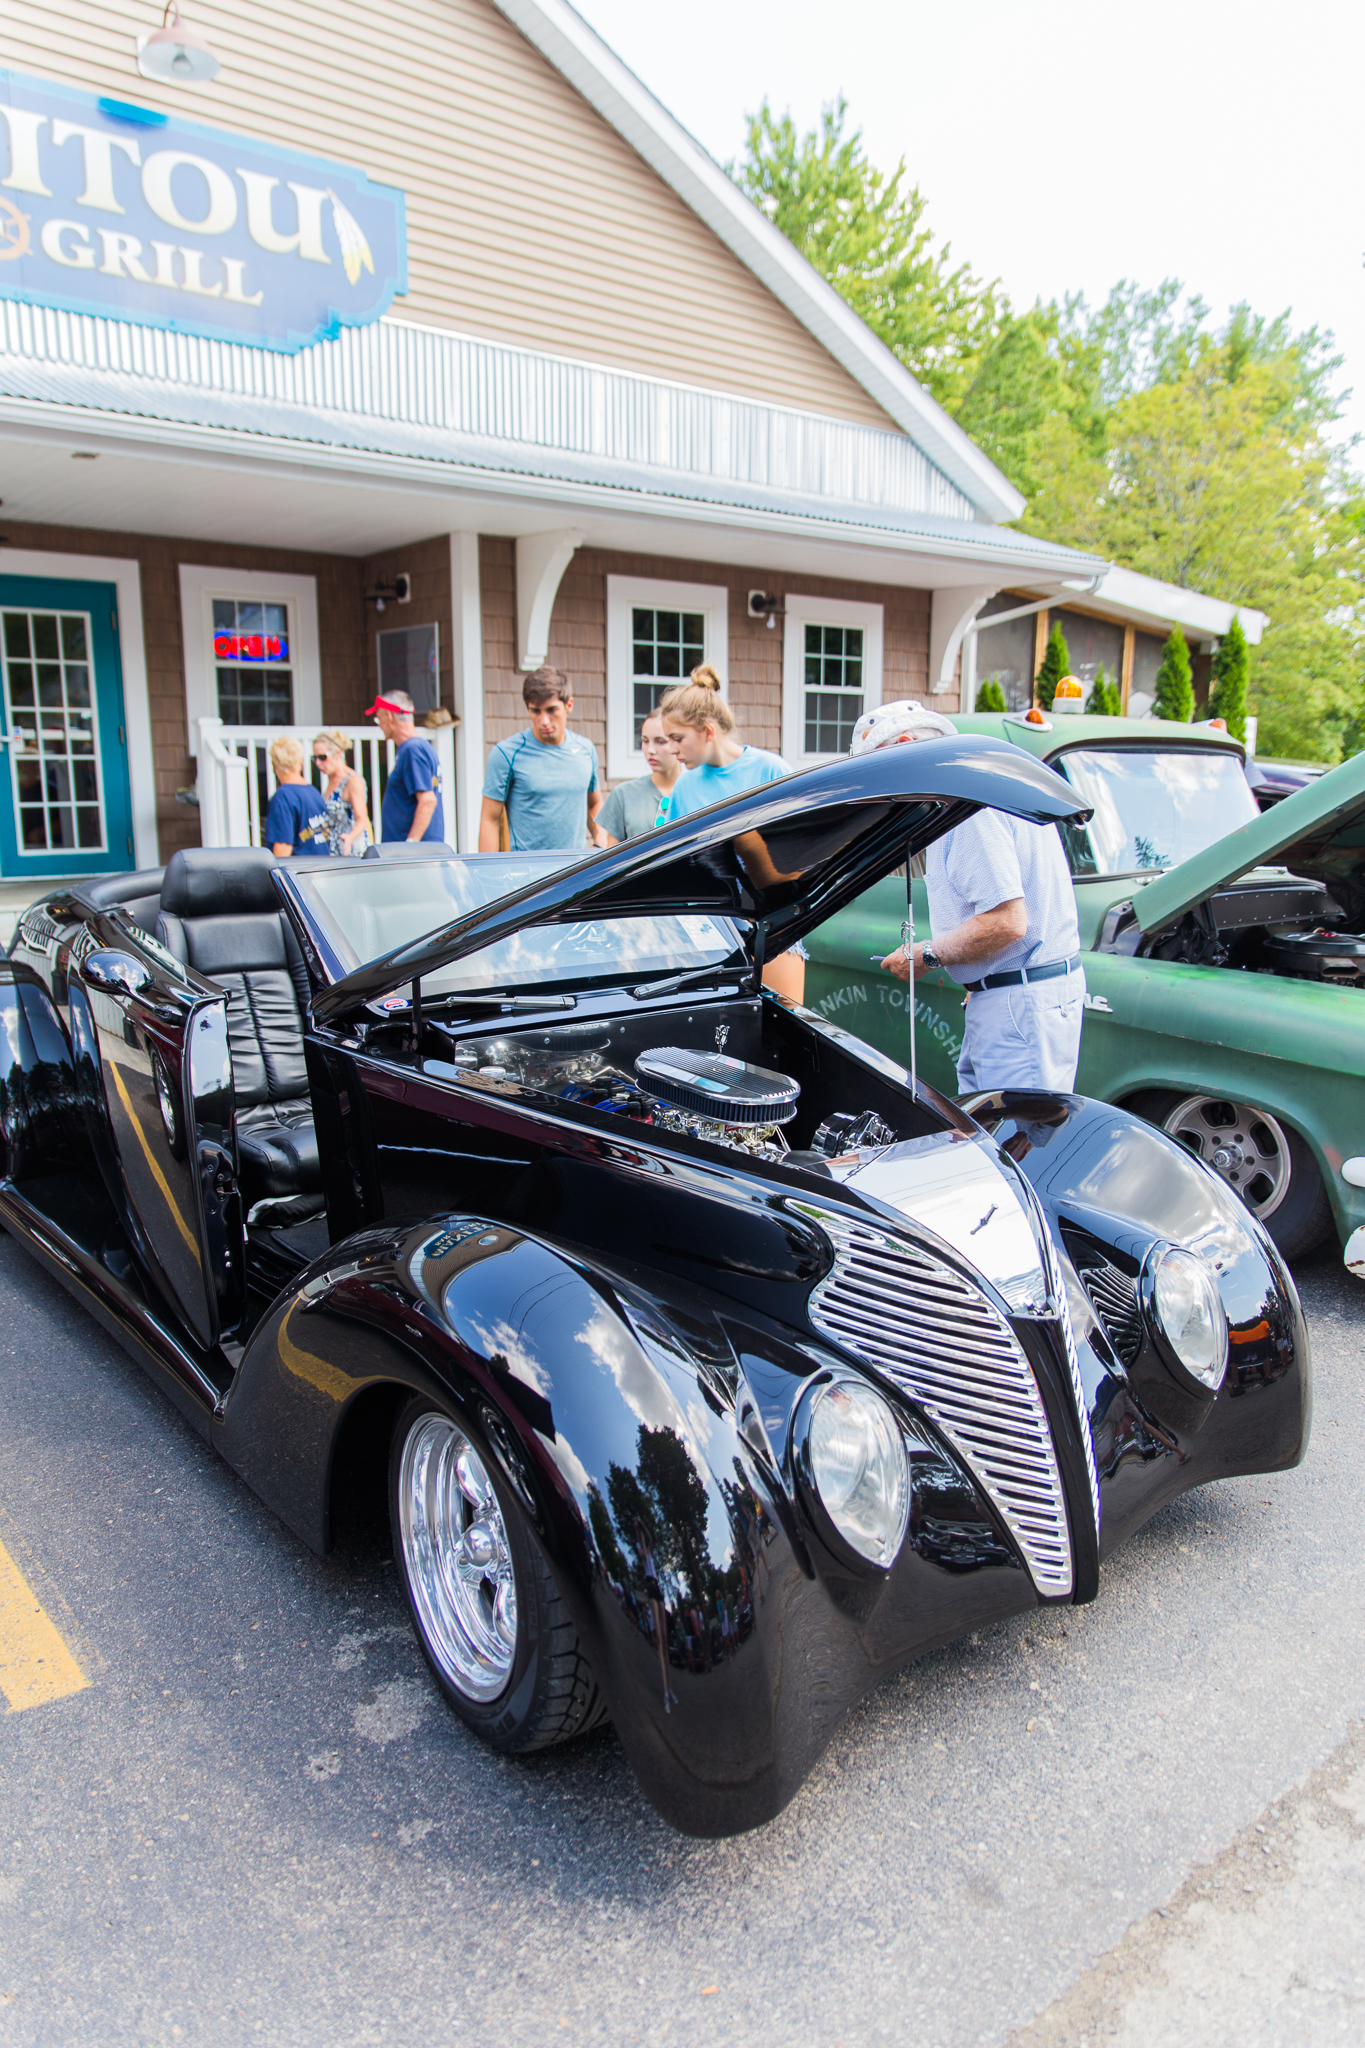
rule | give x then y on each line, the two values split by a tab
343	792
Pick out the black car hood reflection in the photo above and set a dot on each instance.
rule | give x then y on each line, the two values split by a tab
783	858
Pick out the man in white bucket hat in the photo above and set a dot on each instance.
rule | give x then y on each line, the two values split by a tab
1002	917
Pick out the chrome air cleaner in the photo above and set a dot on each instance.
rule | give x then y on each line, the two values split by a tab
711	1085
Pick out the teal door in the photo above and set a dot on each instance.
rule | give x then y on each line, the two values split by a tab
64	802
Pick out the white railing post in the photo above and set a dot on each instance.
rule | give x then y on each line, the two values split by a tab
443	739
223	814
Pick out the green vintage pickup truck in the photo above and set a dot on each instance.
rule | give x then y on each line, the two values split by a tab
1224	962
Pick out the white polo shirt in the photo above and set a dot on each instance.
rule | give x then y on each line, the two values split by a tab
993	859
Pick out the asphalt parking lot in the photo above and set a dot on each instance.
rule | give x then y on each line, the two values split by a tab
239	1813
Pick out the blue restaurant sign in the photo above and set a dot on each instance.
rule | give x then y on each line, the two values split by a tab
113	209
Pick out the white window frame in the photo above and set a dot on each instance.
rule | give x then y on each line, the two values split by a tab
198	588
822	611
712	600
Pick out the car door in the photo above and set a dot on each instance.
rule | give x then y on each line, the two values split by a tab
157	1035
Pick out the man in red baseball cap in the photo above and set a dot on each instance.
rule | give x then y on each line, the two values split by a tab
412	797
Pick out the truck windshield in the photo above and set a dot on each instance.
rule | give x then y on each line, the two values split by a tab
367	908
1154	806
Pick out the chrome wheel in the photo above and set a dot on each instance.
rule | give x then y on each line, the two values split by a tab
457	1558
1247	1148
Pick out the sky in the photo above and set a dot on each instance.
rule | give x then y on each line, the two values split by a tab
1062	147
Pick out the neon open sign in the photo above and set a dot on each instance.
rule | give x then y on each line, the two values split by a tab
113	209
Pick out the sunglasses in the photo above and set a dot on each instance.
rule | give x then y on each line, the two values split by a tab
320	758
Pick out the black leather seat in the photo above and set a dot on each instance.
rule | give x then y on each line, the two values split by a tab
220	914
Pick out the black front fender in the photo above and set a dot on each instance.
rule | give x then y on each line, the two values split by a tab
1114	1188
644	1438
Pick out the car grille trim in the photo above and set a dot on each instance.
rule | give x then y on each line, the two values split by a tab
938	1337
1073	1365
1113	1297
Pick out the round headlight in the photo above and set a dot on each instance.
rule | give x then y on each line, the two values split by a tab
859	1468
1188	1312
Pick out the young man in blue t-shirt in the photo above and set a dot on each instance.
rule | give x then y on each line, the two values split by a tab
412	806
544	780
296	819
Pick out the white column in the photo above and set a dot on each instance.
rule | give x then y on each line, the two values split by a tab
467	653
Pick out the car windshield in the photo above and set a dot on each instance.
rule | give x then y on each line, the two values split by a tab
1154	806
366	908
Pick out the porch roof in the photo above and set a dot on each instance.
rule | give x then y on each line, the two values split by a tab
394	401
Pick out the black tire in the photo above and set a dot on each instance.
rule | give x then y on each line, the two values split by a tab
549	1695
1302	1217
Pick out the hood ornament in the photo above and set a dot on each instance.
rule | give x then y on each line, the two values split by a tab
722	1033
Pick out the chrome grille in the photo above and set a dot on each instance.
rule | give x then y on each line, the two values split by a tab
937	1336
1073	1364
1114	1300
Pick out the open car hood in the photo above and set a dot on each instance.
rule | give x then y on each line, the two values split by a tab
782	859
1319	831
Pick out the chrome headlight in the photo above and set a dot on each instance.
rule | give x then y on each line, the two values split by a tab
854	1459
1185	1310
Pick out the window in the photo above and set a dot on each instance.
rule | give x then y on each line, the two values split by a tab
657	633
252	662
1003	654
1154	807
832	672
410	659
251	648
50	717
833	687
665	646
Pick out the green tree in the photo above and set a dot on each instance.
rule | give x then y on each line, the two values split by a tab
1228	689
1056	664
865	232
1174	690
990	696
1142	430
1104	700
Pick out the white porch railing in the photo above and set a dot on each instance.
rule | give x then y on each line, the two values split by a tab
236	778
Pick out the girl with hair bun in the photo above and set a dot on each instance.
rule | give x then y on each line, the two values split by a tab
716	765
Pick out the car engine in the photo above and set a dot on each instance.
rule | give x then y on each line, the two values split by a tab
1320	955
702	1094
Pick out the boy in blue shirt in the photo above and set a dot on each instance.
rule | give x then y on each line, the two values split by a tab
412	806
296	821
544	780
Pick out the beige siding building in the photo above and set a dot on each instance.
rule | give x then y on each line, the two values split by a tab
427	345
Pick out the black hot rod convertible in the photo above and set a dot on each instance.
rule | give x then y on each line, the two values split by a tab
713	1368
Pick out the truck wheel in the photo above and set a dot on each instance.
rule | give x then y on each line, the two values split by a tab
487	1611
1264	1161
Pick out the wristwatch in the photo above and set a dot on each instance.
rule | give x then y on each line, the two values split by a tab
929	958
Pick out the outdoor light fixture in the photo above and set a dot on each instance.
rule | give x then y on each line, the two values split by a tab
175	54
761	606
397	592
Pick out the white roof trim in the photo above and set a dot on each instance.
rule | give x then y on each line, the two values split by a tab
580	55
1146	600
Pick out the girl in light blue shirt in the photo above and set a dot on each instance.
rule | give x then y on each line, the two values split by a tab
715	765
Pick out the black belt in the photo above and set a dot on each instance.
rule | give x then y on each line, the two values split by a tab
1049	972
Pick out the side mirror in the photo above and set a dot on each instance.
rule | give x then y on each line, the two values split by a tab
117	973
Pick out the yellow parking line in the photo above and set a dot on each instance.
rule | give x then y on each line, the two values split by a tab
181	1225
35	1664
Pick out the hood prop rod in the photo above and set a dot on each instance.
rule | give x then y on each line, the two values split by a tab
908	941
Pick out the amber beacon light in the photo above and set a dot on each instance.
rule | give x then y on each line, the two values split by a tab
175	53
